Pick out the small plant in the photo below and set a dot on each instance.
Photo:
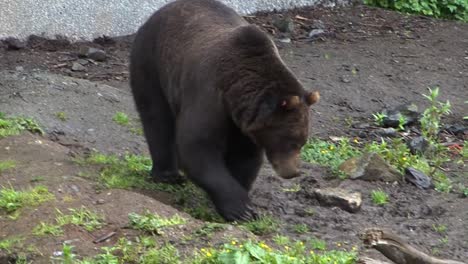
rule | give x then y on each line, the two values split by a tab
439	228
6	165
329	154
121	118
62	116
153	223
379	197
318	244
379	118
47	229
301	228
281	240
266	224
402	122
431	117
208	229
8	243
166	254
11	199
294	188
10	126
452	9
81	217
443	184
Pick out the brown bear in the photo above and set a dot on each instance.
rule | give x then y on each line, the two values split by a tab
214	95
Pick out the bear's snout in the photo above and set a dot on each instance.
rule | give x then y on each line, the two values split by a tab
286	167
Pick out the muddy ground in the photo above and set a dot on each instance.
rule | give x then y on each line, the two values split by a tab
367	59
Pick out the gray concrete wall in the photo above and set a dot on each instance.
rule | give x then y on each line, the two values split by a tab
88	19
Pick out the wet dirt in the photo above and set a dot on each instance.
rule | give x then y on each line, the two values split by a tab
369	59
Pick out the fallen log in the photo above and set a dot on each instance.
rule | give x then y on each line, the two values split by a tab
397	250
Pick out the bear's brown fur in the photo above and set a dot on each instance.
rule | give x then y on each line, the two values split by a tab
214	95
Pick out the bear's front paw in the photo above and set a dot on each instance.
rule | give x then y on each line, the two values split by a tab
169	177
237	210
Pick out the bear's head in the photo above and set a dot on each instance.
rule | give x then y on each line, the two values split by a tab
284	131
266	100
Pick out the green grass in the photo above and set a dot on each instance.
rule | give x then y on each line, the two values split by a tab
439	228
317	244
133	172
10	126
153	223
9	243
146	250
80	217
301	228
329	154
7	165
121	118
379	197
47	229
12	200
265	225
62	116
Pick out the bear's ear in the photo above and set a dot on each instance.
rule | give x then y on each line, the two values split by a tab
312	98
290	102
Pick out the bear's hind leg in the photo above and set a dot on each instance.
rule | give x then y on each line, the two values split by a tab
158	125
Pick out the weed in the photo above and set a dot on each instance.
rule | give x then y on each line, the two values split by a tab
166	254
328	154
379	197
301	228
47	229
402	122
317	244
453	9
208	229
444	240
443	184
9	243
121	118
62	116
439	228
379	118
281	240
6	165
11	199
153	223
430	121
266	224
294	188
81	217
10	126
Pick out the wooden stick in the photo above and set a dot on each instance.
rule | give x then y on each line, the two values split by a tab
398	251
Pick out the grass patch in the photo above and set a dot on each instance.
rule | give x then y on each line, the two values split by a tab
81	217
379	197
9	243
47	229
10	126
12	200
439	228
329	154
317	244
208	229
145	250
7	165
121	119
62	116
265	225
301	228
153	223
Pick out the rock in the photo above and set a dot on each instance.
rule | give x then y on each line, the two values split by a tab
408	111
285	40
418	145
387	132
92	53
317	24
19	68
345	79
344	199
314	33
370	167
283	24
14	44
100	201
456	129
78	67
361	125
418	178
